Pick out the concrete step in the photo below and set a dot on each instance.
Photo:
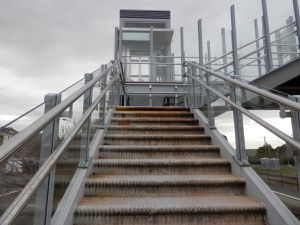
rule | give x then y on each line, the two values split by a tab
151	113
161	166
163	185
150	108
150	129
115	139
187	151
154	121
173	210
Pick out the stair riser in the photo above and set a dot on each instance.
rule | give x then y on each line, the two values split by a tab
162	170
233	218
140	142
157	155
156	123
161	190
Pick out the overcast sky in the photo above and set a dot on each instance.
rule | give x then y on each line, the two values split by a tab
45	45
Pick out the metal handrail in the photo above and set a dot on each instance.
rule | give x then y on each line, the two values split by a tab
263	93
23	198
266	94
10	147
35	107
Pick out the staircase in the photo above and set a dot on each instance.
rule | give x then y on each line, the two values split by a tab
156	166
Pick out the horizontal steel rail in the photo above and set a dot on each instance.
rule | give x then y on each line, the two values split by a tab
35	107
10	147
275	98
23	198
282	27
251	115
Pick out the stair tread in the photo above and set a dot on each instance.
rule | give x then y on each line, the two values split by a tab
180	136
170	179
175	119
150	108
155	127
206	203
160	148
163	161
149	112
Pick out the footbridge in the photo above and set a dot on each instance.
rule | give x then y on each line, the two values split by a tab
155	138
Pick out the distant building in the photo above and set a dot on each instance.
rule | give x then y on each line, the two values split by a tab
6	134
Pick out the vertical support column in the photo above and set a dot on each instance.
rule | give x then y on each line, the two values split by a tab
297	19
208	54
237	115
236	69
182	52
116	43
152	76
200	42
257	47
85	135
193	86
188	86
44	196
224	50
295	120
120	43
140	68
201	54
280	48
291	38
184	79
267	36
211	118
103	101
176	95
150	95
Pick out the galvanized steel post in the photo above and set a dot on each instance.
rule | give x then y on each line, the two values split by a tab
116	43
49	141
86	128
237	115
267	36
297	19
224	50
200	42
257	47
211	118
295	120
152	74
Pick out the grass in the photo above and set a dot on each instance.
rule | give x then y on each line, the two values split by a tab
284	170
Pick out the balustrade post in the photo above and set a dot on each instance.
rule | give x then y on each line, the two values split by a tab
49	141
86	128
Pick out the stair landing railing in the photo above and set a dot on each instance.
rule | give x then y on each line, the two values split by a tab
240	97
37	164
